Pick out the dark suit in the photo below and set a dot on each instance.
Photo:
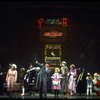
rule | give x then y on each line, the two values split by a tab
42	79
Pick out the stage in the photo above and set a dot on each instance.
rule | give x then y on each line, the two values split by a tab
49	96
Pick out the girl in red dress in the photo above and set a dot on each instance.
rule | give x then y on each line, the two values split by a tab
56	82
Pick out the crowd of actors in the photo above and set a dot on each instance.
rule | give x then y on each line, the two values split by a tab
63	80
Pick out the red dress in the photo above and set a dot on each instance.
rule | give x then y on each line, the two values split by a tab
98	86
56	81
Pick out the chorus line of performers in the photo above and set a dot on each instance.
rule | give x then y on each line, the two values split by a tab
64	80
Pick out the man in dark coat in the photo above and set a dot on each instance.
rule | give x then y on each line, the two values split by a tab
43	78
81	81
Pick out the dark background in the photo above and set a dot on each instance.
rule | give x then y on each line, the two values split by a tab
20	37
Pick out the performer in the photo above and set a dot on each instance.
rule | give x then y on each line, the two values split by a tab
72	79
21	80
81	81
64	82
30	73
89	84
56	82
96	83
11	78
42	79
30	78
1	80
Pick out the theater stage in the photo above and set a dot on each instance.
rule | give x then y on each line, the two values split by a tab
49	96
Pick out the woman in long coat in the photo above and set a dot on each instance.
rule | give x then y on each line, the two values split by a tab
11	78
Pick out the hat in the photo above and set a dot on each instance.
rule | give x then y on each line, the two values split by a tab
23	69
64	62
14	65
72	65
96	75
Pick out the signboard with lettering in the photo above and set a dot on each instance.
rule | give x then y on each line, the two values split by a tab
53	54
50	21
53	30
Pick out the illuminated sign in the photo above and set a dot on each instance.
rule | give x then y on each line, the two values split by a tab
53	53
52	29
53	34
63	21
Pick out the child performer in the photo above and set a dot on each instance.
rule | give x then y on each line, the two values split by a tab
21	80
56	82
89	84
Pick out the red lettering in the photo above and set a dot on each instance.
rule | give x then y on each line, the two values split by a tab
40	21
64	21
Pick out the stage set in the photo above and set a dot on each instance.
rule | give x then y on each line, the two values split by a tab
62	37
49	96
33	94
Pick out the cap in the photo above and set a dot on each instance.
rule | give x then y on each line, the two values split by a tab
63	62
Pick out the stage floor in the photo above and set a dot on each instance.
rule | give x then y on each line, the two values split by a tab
49	96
